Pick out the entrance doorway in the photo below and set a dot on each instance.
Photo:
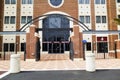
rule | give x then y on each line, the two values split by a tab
56	34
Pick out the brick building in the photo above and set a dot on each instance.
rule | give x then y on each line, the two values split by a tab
95	14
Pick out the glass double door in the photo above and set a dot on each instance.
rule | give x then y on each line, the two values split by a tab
56	47
56	34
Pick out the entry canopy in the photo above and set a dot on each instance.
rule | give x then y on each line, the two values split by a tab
102	32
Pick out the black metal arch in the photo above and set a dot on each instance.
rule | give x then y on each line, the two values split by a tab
82	25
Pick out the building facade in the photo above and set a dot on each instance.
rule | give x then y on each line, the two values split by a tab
97	15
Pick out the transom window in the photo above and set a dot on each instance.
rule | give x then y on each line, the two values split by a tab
84	1
27	1
118	1
55	25
10	1
100	2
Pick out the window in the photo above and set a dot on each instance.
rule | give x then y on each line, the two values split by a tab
5	46
9	19
13	1
23	19
29	1
84	1
85	19
6	20
82	19
103	19
10	1
119	16
87	1
81	1
118	1
98	19
102	1
88	46
9	46
29	18
97	1
12	47
23	45
12	20
7	1
23	1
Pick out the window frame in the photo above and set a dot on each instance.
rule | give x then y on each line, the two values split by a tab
7	1
6	19
88	46
13	1
12	20
23	19
98	19
104	20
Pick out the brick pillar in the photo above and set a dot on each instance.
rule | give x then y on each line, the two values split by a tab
118	48
31	42
94	47
111	47
77	42
28	44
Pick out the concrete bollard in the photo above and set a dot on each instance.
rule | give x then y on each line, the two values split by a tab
15	63
90	62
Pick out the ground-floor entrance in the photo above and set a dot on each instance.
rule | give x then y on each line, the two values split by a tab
55	34
56	47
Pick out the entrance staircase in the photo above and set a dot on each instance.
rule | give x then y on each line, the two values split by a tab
47	57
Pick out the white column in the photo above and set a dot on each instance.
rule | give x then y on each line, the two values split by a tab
90	62
15	63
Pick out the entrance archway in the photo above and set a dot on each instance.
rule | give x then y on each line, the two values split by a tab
55	35
55	39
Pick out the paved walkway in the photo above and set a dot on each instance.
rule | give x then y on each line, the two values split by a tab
65	64
60	67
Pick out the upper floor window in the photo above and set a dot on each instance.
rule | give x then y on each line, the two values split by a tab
85	19
99	1
100	19
12	20
25	19
27	1
84	1
10	1
9	20
118	1
119	16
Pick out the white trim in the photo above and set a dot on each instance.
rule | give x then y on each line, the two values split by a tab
118	50
111	51
4	74
55	6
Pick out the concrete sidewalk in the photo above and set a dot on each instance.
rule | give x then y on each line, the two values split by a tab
31	65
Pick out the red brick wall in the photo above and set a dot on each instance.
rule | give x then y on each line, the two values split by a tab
111	9
93	15
70	7
1	21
